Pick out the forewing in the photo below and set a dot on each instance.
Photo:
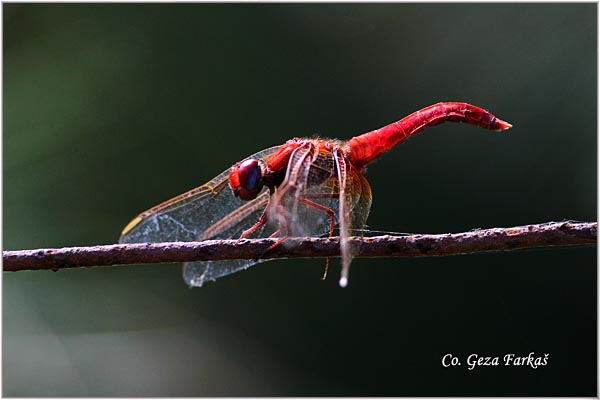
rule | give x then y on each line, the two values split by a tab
210	211
354	205
197	272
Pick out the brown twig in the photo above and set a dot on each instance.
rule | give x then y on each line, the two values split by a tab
477	241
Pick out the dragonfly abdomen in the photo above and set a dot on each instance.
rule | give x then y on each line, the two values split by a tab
365	148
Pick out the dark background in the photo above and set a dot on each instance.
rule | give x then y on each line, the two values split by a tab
110	109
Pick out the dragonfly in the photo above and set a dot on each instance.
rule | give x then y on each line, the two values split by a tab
305	187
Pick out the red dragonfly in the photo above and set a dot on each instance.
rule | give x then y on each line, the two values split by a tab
305	187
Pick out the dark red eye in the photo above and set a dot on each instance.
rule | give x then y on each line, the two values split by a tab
245	179
249	173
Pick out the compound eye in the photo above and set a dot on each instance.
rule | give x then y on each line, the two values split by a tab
246	179
249	173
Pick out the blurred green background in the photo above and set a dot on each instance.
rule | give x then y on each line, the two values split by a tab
110	109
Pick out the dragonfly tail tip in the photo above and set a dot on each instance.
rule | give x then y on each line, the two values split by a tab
503	125
343	281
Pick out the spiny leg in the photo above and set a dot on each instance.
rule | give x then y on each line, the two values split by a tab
327	210
282	226
264	218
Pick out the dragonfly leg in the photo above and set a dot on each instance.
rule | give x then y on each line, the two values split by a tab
282	226
264	218
327	210
319	207
326	269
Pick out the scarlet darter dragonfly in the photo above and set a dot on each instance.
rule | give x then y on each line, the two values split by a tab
305	187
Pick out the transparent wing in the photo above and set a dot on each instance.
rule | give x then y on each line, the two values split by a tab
322	189
355	203
210	211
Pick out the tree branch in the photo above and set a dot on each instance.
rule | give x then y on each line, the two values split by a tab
476	241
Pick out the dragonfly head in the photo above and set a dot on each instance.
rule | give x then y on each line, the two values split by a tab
246	179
